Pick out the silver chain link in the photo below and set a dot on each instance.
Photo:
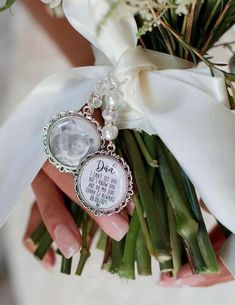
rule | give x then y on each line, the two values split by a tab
111	147
87	111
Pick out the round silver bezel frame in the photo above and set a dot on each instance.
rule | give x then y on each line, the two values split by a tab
55	119
121	205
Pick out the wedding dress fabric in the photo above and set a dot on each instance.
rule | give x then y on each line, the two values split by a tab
185	107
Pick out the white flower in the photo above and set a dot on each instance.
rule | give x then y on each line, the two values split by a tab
151	11
143	7
182	6
52	3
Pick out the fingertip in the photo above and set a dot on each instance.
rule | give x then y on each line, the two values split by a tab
130	207
115	226
185	272
47	166
29	245
68	243
49	258
124	214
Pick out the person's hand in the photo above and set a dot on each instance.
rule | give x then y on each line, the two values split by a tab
49	187
185	276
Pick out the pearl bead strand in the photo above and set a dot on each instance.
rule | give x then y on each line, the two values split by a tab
108	94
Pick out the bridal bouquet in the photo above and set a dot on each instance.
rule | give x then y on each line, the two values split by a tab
175	130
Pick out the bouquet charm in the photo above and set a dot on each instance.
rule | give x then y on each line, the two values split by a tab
75	143
176	131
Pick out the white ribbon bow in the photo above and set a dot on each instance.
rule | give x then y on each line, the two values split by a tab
186	108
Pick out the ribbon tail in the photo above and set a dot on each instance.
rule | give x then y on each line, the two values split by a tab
21	154
198	130
86	16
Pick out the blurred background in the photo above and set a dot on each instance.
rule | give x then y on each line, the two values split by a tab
28	54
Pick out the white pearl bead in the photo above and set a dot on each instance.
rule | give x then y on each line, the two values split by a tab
109	132
94	102
109	115
113	98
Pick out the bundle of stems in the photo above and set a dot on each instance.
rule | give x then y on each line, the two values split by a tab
167	222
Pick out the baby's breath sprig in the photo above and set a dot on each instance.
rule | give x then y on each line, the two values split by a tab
150	11
52	3
54	7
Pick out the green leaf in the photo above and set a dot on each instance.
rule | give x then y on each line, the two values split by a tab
7	5
230	76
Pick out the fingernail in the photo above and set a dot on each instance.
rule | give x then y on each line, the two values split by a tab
115	226
130	207
66	240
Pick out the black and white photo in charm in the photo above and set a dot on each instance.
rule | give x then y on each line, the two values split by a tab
69	137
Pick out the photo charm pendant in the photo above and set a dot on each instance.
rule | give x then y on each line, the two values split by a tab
69	137
104	183
74	142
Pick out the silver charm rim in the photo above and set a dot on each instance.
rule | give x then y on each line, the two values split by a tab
129	193
46	136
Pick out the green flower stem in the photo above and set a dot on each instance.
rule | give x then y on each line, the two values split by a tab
142	256
151	147
160	203
213	12
84	252
127	269
38	233
66	265
8	4
189	196
77	214
161	206
194	254
217	25
150	144
149	159
203	238
58	252
186	225
161	248
166	266
92	232
176	245
84	255
183	30
107	254
166	39
76	211
143	224
102	241
150	174
117	255
43	246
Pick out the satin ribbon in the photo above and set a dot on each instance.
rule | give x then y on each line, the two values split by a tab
163	95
